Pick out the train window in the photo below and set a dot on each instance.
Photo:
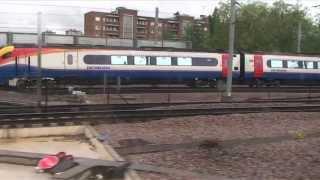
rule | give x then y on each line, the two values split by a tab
308	65
174	61
316	65
140	60
152	60
184	61
97	59
130	60
294	64
164	61
119	60
204	62
275	63
70	59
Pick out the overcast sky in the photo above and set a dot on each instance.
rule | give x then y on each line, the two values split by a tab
64	14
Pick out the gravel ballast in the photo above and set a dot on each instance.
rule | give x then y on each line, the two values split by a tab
296	159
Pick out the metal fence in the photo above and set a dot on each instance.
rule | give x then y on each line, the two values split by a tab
54	39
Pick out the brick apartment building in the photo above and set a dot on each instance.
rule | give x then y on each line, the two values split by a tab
125	23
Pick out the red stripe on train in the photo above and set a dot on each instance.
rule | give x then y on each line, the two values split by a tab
225	59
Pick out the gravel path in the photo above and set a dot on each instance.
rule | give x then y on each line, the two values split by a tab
288	160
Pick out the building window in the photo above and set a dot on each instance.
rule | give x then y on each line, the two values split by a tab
127	25
152	24
70	59
204	62
97	19
141	22
97	27
97	59
141	31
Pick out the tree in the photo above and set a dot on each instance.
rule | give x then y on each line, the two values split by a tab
197	36
260	27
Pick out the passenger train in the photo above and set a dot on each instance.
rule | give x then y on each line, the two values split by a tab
19	67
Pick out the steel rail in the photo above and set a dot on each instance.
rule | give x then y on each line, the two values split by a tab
114	116
131	90
88	107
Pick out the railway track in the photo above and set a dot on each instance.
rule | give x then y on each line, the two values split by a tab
118	116
4	108
137	90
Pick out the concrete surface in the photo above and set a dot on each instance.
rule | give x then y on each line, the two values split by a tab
79	141
17	172
50	145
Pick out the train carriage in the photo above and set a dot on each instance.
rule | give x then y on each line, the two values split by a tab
276	69
18	67
83	65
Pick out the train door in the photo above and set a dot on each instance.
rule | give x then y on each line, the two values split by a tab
71	60
236	63
258	66
225	59
242	66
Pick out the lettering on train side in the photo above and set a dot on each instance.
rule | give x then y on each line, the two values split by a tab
278	70
98	68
